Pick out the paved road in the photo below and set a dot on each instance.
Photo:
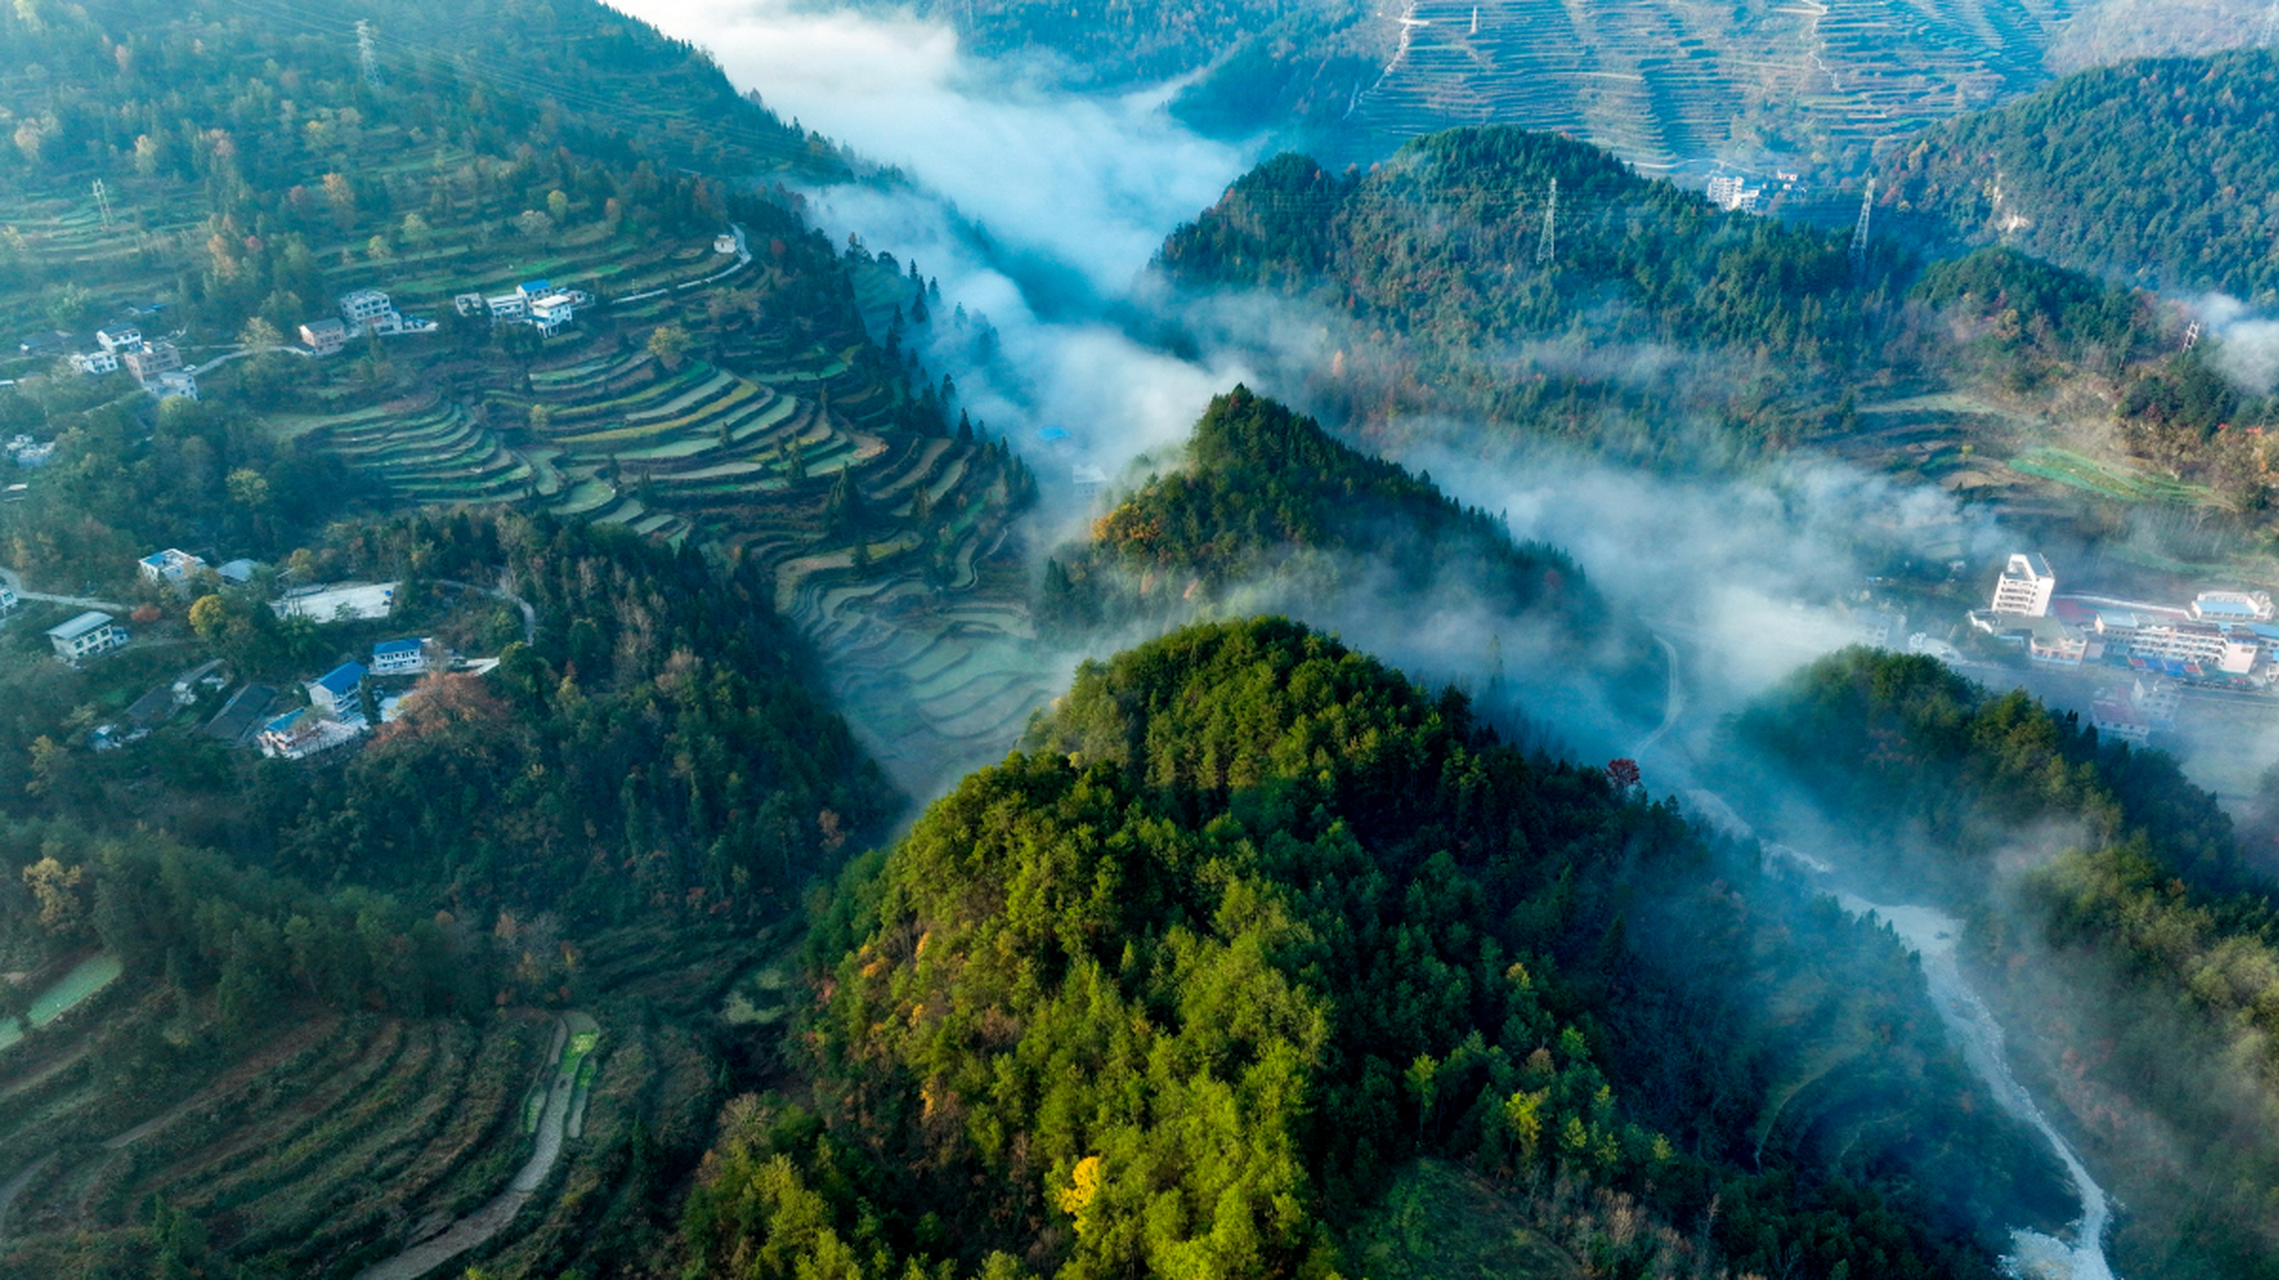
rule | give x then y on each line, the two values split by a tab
743	260
241	353
488	1221
15	583
1673	706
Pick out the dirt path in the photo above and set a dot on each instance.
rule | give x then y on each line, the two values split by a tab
15	1187
492	1218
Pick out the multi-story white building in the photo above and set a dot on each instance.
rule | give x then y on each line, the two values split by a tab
361	308
399	657
2025	586
2232	606
171	566
88	634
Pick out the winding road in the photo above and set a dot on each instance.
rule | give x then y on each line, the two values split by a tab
479	1226
15	583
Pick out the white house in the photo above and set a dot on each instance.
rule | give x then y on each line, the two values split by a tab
171	566
334	692
324	336
89	633
364	306
400	657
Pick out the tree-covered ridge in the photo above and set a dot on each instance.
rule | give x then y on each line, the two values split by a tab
2166	944
1263	489
1441	243
1430	265
99	78
1250	922
2157	171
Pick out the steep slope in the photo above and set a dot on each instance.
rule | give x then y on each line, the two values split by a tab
2110	920
1252	924
2157	172
1265	511
1443	294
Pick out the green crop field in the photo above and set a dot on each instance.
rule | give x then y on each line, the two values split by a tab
2107	480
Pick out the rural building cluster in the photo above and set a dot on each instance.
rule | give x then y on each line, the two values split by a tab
2221	637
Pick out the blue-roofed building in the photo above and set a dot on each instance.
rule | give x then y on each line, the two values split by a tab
399	657
304	732
172	566
335	691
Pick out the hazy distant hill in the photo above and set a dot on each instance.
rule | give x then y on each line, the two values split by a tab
1763	84
1434	267
2159	171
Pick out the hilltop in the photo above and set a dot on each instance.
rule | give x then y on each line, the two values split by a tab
2153	171
1254	937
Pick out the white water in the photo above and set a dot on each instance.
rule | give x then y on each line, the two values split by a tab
1932	935
2034	1256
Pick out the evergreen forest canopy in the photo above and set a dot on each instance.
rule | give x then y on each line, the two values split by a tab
2157	172
1248	924
2139	946
1430	266
1264	494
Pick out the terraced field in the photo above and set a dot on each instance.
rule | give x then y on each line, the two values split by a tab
338	1144
1680	85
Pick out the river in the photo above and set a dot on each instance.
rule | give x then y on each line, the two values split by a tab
1933	935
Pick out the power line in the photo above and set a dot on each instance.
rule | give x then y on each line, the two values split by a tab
366	57
1547	249
1860	234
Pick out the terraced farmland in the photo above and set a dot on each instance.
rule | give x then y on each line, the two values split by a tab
339	1144
1680	85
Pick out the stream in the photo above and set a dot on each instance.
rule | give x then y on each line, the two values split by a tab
1932	935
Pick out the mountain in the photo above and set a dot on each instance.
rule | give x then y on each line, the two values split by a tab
1758	86
2109	916
1252	926
1431	270
2153	172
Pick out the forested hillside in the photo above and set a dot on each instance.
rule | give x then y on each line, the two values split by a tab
2109	910
610	826
1432	270
1250	926
2157	171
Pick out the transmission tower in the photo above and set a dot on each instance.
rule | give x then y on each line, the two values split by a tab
1860	234
1547	249
103	203
366	56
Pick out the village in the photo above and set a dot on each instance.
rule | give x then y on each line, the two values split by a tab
323	712
2221	642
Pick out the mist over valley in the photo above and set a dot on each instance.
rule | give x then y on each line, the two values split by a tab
1206	639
